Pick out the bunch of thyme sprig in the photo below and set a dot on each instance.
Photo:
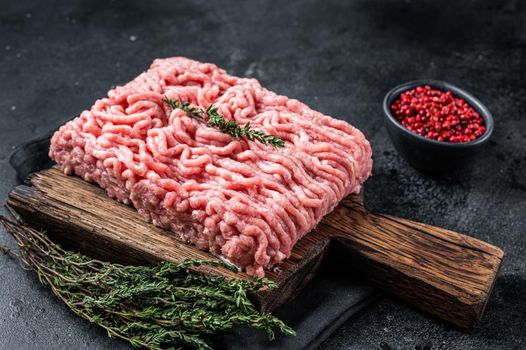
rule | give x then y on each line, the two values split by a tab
213	119
155	307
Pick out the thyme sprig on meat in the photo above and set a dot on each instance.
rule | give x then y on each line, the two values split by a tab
155	307
212	118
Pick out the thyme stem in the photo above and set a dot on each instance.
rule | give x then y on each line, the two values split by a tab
213	119
154	307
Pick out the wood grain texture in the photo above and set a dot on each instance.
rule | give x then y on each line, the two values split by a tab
445	273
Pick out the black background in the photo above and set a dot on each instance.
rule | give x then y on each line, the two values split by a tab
340	57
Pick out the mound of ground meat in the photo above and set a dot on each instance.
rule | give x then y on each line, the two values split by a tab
239	199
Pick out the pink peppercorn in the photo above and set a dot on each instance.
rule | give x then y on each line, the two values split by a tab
438	115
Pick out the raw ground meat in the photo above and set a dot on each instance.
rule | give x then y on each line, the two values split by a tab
239	199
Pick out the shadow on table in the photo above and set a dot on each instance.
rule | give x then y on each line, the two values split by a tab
323	306
505	315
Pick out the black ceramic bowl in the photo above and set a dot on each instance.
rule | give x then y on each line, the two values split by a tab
431	156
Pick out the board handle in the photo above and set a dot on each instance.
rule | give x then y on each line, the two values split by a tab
445	273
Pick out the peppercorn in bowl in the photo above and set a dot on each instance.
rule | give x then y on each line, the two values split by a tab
435	126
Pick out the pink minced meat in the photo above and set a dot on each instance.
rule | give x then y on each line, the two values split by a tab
239	199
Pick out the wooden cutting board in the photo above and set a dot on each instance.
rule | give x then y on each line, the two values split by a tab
445	273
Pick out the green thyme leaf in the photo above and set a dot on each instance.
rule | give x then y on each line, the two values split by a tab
216	120
155	307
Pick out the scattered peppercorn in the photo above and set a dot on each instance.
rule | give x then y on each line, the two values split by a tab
438	115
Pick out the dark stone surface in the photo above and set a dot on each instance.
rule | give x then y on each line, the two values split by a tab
340	57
